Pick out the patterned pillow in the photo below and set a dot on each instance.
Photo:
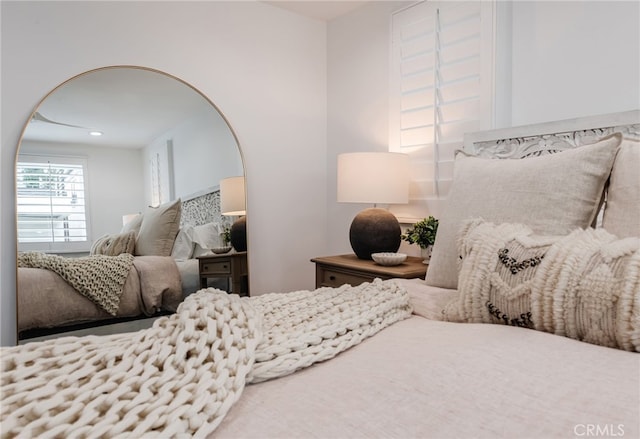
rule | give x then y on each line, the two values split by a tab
585	285
114	245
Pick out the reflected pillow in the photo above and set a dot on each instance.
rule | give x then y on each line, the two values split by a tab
622	211
183	245
158	230
553	194
133	225
206	237
114	245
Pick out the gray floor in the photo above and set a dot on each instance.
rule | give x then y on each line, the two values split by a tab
115	328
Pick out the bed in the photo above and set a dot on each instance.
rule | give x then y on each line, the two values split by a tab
165	241
513	344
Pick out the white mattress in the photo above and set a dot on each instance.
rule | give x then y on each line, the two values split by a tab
432	379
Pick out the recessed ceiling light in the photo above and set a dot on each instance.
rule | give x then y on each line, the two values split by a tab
95	133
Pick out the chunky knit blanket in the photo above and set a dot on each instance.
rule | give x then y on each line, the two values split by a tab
180	377
99	278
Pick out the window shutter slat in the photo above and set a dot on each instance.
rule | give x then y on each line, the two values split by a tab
437	86
51	204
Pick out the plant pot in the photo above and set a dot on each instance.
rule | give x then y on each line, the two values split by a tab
425	253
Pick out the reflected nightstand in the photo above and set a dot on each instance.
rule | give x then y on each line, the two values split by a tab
232	265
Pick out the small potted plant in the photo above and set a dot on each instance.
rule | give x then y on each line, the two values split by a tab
226	236
423	233
226	246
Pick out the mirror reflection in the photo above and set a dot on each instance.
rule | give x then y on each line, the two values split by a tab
118	195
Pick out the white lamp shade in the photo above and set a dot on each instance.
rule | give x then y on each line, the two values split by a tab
232	196
373	177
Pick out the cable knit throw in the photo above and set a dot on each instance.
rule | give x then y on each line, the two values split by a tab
99	278
585	285
180	377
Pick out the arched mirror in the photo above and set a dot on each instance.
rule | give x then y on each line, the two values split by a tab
118	187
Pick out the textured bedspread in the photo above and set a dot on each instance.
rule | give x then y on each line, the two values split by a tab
46	300
424	378
99	278
183	375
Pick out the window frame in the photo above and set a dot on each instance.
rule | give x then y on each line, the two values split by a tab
53	246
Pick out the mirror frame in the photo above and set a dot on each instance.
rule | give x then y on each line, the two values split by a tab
62	84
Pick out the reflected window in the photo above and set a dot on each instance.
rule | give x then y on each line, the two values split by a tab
51	203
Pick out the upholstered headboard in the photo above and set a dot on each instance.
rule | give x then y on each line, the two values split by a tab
544	138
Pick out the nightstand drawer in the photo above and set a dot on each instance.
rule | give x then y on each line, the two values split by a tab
333	271
218	267
330	278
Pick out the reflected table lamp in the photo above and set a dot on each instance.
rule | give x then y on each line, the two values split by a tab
374	178
233	203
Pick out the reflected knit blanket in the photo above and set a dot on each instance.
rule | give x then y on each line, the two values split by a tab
180	377
99	278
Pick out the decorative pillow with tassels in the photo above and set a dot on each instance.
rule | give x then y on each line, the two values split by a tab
114	245
585	285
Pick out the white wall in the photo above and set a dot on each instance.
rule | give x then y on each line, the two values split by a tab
205	152
573	59
115	186
264	67
358	46
555	60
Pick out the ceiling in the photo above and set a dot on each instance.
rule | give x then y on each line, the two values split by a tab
322	10
130	106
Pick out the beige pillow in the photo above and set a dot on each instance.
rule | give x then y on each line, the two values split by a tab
584	285
622	211
553	194
159	228
114	245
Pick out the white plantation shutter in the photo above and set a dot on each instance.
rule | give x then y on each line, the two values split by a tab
441	86
51	203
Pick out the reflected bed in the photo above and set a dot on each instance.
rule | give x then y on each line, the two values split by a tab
155	285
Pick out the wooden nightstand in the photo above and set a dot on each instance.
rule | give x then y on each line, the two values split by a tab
333	271
230	265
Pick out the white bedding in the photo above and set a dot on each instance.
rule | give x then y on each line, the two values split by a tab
432	379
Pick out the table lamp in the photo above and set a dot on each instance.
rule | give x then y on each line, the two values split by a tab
375	178
233	203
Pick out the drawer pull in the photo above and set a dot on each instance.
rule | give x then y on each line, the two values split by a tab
332	277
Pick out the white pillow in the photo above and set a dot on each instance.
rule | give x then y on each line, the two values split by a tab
133	225
206	237
183	245
553	194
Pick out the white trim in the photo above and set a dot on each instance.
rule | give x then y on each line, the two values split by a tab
556	127
201	192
